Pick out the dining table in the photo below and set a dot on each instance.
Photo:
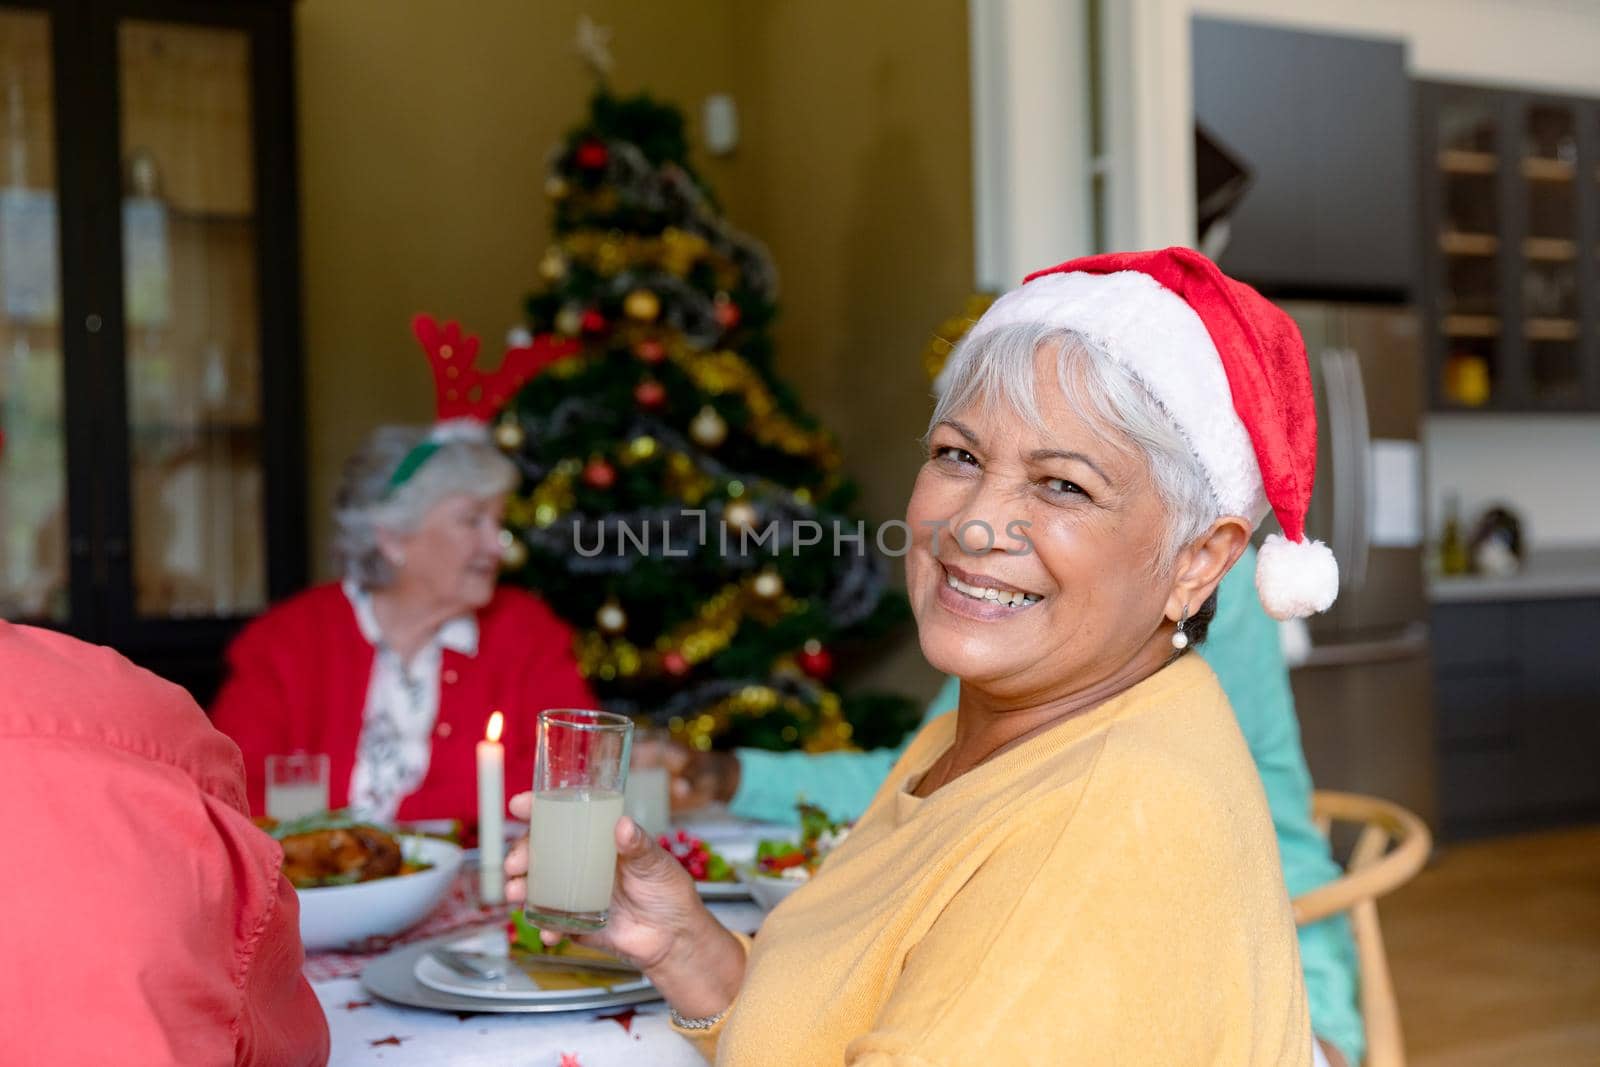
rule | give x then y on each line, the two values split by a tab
364	1028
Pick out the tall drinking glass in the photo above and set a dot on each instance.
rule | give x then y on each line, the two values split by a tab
579	776
648	798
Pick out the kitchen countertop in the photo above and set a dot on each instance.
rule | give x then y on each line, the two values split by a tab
1547	575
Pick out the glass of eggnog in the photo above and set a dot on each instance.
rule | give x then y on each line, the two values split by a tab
580	773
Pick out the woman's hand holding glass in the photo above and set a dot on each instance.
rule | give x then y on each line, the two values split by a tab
657	921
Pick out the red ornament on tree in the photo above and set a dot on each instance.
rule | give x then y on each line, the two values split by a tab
727	314
650	350
598	474
650	393
674	664
592	155
815	660
593	322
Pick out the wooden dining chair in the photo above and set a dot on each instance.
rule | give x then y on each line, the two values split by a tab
1390	849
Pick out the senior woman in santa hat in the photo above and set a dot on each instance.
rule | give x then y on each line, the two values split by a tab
1078	865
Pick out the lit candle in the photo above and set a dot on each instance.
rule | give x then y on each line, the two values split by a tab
492	813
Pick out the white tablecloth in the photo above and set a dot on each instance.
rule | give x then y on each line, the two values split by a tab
367	1030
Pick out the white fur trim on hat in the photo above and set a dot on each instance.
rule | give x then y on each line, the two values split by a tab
1295	578
463	429
1161	339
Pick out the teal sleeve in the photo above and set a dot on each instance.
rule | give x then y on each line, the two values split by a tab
1243	649
841	783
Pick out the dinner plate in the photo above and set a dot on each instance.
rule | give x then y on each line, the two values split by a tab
393	978
538	984
722	890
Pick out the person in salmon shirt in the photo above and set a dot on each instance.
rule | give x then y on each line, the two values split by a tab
147	920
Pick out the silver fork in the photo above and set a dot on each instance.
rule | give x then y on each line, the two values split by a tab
470	965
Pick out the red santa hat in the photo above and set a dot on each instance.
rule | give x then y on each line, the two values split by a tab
1228	366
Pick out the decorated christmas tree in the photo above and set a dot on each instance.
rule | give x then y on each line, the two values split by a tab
679	508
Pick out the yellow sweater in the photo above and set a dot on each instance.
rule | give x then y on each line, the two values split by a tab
1107	892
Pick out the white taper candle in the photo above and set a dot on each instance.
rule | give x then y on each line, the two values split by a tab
492	814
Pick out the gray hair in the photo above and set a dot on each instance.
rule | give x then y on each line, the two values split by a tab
364	504
997	366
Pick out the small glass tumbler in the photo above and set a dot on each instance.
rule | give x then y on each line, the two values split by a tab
580	774
297	785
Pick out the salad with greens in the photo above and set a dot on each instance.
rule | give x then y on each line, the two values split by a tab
819	835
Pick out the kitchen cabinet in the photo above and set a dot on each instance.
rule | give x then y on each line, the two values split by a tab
151	474
1324	125
1517	689
1510	248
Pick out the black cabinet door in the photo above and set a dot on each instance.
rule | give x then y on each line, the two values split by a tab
1325	124
1517	687
162	438
1558	656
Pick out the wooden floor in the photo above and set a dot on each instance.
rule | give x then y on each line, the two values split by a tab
1495	949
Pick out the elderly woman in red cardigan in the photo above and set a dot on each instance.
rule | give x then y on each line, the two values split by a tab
393	671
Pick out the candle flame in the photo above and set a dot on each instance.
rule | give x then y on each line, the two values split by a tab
497	723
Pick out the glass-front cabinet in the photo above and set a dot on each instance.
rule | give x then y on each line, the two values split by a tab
1511	216
150	465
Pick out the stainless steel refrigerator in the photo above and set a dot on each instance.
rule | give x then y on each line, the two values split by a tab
1364	689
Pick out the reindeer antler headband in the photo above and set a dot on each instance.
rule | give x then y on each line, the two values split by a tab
465	396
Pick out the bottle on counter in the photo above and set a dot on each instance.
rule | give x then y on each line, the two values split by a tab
1453	557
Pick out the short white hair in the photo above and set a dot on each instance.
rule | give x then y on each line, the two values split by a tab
997	367
365	503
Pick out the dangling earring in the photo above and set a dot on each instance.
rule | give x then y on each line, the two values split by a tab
1180	640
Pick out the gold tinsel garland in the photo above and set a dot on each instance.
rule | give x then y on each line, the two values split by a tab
725	373
695	640
830	733
610	252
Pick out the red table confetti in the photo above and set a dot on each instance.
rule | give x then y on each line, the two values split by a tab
623	1018
390	1040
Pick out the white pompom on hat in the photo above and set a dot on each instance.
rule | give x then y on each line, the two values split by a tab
1231	369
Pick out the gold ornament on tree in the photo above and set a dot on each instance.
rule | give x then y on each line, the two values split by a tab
611	257
768	585
569	320
508	434
611	618
740	514
513	553
553	265
708	428
642	305
555	187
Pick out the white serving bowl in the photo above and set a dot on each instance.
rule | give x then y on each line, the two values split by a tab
339	915
767	890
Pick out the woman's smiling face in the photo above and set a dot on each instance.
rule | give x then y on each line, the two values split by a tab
1078	529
